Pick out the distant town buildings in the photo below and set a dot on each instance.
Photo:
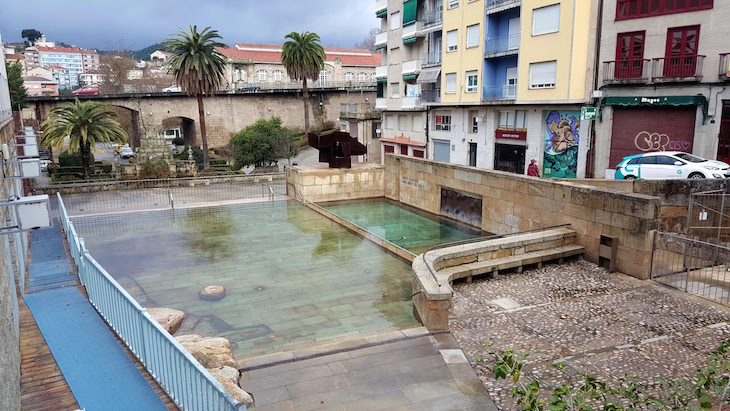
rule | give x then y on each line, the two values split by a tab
91	78
46	54
39	86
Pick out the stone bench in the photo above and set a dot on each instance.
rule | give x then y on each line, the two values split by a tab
435	271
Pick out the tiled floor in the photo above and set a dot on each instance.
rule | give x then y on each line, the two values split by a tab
419	373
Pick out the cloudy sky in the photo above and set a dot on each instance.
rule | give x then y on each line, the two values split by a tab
135	24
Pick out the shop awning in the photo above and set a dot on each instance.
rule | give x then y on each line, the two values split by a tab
409	77
429	75
672	101
409	12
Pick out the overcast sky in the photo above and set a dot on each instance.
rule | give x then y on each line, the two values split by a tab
135	24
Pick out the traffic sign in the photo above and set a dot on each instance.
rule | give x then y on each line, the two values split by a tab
588	113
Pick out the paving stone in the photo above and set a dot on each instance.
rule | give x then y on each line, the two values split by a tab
454	356
420	363
271	396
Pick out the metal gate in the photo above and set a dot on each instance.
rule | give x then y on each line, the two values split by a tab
708	216
691	265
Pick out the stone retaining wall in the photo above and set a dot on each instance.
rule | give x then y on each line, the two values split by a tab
513	203
322	184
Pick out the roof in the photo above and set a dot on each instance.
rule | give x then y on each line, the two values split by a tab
97	72
88	52
402	139
38	79
271	53
14	56
60	49
55	67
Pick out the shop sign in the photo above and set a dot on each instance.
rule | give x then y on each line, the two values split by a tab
512	134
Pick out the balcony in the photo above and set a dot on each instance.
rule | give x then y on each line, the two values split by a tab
626	71
724	70
411	67
362	111
411	103
500	93
381	8
431	96
411	32
683	68
502	46
495	6
432	58
433	21
381	103
381	40
381	72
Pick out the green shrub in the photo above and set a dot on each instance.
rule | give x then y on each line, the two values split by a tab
197	156
154	168
67	159
105	166
178	141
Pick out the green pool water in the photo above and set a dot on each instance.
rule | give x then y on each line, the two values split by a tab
408	227
294	278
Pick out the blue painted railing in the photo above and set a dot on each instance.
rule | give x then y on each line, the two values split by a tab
183	378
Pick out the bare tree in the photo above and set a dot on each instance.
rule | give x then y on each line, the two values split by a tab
285	146
369	41
230	151
114	67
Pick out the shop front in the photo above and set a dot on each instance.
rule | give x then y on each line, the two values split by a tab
509	150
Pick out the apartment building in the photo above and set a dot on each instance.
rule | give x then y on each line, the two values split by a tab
664	75
62	76
497	82
77	61
260	65
39	86
90	60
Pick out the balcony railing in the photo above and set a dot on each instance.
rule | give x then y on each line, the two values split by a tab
724	70
433	19
627	71
431	96
381	7
412	31
381	40
411	67
381	72
492	4
687	68
497	93
432	58
502	44
381	103
359	111
411	102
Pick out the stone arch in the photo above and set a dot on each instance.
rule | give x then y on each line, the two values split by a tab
129	119
186	125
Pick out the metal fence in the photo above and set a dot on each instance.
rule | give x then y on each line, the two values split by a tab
183	378
708	217
138	195
692	265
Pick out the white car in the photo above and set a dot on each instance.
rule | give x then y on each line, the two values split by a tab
126	152
172	89
665	165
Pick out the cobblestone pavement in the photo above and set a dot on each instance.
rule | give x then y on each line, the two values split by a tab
603	324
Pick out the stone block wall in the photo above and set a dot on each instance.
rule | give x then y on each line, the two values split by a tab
322	184
513	203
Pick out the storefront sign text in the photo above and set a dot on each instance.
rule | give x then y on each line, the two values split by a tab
512	134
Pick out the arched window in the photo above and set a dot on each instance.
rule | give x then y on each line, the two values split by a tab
362	77
278	75
349	76
261	74
323	78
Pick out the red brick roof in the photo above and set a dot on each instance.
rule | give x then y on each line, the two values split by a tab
38	79
55	67
59	49
364	57
14	57
88	52
402	140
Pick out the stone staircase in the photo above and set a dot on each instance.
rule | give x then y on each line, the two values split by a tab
435	271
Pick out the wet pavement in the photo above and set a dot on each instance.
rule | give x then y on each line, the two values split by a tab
608	325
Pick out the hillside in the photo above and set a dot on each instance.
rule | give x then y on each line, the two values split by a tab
144	54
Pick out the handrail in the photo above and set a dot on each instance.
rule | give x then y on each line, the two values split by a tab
172	200
176	181
271	191
477	240
184	379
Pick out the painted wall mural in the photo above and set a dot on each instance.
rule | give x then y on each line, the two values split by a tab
562	134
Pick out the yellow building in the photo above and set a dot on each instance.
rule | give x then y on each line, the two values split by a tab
463	52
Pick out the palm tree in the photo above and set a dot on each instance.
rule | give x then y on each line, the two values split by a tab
198	68
85	124
303	57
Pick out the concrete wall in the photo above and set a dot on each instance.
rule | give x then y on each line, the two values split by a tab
9	343
319	184
512	203
226	113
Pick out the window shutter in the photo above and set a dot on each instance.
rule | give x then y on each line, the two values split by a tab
451	83
472	36
409	12
546	20
452	40
543	75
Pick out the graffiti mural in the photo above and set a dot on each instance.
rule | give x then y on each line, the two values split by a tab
646	141
562	134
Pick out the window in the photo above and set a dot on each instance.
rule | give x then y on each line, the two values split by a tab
631	9
362	77
389	119
261	74
323	77
278	75
403	123
512	120
453	3
474	121
452	41
395	20
546	20
349	76
681	56
442	122
240	75
451	83
542	75
472	36
372	76
417	123
394	90
472	83
629	55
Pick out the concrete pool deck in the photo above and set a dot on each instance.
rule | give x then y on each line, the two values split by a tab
604	324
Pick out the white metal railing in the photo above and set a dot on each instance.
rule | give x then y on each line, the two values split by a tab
411	102
183	378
